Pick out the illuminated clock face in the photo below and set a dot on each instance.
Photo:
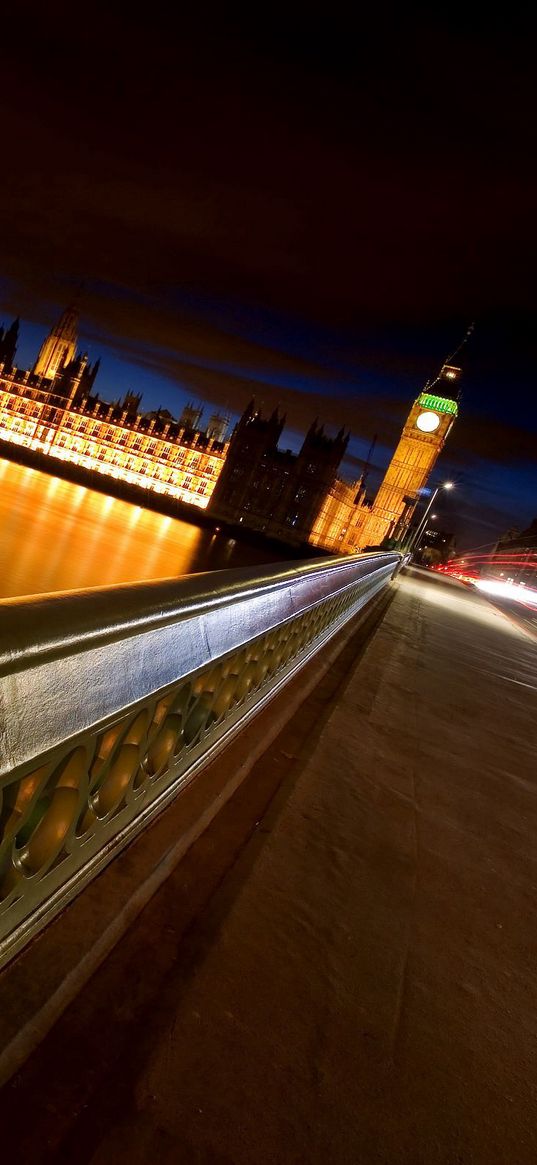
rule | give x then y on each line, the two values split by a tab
428	422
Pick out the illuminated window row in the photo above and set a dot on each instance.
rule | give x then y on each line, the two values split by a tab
181	472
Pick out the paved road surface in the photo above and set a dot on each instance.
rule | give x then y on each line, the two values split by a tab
361	986
524	616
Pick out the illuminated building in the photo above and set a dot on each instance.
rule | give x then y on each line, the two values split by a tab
422	440
52	411
335	526
59	348
299	498
346	522
274	491
249	480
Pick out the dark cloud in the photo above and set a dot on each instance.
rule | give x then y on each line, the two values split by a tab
382	182
232	390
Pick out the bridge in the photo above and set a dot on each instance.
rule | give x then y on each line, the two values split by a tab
268	880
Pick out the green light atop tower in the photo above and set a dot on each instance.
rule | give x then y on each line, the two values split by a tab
435	400
440	404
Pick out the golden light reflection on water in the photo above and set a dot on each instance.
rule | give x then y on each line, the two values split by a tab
55	535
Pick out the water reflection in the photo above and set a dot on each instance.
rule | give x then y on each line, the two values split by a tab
58	536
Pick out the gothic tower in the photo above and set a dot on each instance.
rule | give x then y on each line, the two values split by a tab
8	344
253	451
59	348
313	475
423	438
76	379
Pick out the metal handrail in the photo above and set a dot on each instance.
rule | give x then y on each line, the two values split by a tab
38	626
112	699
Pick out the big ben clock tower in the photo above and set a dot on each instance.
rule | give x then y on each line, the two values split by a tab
422	440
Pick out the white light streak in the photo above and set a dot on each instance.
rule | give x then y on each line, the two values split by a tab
518	593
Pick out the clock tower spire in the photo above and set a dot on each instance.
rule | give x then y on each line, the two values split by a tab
424	435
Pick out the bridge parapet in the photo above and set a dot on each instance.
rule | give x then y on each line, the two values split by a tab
113	699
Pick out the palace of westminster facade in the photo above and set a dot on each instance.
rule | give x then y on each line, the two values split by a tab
245	480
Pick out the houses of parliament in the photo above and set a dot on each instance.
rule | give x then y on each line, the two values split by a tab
244	481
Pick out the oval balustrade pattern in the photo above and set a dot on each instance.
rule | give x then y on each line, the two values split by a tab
60	817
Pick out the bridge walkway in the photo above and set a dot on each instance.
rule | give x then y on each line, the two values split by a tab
362	984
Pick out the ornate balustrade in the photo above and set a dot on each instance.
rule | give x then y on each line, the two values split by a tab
112	699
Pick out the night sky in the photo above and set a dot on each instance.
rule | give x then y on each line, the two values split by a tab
307	212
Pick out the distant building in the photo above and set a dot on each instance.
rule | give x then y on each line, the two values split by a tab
130	404
515	556
435	547
191	416
519	540
52	410
218	426
272	491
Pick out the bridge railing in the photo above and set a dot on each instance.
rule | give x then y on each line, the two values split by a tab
112	699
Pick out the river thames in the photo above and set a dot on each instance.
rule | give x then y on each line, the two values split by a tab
55	536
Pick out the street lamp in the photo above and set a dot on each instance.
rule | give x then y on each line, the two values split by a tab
417	536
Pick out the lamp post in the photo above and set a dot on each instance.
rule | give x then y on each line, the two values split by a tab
415	541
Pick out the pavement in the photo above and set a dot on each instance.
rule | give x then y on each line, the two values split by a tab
354	979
